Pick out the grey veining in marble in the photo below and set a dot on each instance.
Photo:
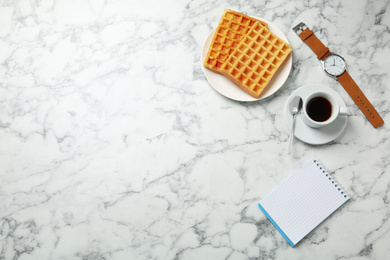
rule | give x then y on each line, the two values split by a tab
113	145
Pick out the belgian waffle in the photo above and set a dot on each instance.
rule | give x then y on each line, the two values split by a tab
255	60
231	29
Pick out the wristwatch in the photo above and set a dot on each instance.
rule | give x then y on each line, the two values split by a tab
334	66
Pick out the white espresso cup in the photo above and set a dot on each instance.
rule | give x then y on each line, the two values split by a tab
321	108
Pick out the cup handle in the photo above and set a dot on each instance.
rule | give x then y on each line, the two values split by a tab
344	111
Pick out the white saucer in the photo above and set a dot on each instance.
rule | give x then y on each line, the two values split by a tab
228	89
311	135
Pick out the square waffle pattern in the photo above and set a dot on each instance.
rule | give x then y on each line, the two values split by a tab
255	60
229	32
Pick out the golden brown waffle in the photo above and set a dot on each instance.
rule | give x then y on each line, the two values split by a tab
231	29
256	59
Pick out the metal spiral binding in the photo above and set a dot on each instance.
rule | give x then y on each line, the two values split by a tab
327	174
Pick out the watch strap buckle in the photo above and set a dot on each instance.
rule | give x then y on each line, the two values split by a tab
299	28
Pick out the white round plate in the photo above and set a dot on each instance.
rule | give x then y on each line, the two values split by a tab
311	135
228	89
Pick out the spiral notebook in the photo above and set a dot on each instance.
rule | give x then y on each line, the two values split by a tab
303	201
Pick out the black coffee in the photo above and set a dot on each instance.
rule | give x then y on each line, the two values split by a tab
319	109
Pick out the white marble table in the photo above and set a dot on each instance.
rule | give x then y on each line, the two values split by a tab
113	145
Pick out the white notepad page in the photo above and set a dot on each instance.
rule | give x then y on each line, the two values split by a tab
303	201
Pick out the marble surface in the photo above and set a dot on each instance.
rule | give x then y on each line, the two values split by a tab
114	146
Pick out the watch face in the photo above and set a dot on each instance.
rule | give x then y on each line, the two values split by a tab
334	65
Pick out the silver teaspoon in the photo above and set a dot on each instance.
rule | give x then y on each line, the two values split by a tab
295	107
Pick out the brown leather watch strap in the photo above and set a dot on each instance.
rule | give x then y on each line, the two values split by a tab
360	99
315	44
